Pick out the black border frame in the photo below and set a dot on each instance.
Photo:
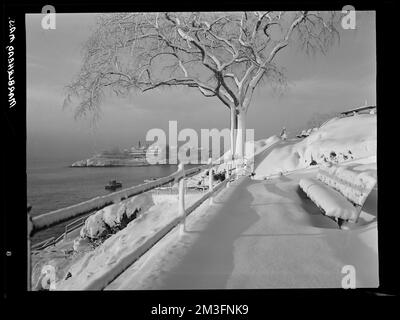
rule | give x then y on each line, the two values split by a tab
13	204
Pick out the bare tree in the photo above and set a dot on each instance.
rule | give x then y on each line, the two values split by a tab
223	55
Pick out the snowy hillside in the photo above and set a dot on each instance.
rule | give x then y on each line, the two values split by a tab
339	140
95	268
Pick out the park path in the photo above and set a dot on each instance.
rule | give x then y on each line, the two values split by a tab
258	234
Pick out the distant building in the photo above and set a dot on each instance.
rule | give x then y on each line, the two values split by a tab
139	151
363	109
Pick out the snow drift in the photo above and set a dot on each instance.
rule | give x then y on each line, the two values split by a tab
339	140
96	268
252	149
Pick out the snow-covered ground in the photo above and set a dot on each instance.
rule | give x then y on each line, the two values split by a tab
258	234
89	266
267	233
97	267
339	140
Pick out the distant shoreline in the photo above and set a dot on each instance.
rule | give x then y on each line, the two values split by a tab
117	165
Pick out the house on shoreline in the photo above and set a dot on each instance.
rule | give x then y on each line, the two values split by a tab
363	109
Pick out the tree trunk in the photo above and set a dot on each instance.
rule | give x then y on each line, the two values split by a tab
233	130
240	135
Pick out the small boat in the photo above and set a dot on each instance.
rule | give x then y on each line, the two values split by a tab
150	180
113	185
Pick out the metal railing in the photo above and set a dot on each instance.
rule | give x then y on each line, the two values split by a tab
43	244
104	277
74	225
87	208
97	203
212	189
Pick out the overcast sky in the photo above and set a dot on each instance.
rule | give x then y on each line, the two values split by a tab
342	79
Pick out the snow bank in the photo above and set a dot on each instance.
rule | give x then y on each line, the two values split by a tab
100	266
340	139
253	148
280	159
280	242
261	145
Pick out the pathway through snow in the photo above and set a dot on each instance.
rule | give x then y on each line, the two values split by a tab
259	234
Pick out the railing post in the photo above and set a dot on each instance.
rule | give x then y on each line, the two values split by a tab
210	179
30	230
226	174
181	197
236	168
239	167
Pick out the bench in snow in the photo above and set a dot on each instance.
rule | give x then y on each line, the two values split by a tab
339	192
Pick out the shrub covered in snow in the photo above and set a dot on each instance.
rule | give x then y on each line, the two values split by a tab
113	218
94	226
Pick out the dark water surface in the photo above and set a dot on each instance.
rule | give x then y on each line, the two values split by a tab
52	186
55	185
